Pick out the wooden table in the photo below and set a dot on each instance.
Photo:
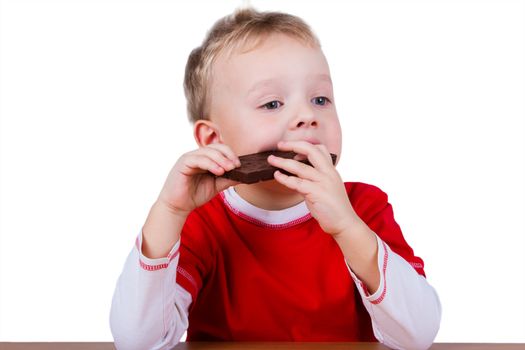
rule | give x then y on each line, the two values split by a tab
257	346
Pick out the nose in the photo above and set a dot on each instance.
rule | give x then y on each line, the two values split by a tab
305	117
312	123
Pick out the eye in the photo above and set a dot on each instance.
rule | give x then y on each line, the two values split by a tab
272	105
320	100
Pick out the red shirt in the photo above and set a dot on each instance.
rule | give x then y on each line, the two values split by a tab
251	281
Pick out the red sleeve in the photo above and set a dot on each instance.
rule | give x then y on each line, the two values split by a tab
372	206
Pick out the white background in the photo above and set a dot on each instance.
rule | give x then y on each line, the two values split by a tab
431	97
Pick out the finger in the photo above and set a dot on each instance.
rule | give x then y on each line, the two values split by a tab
326	152
222	183
295	167
227	151
293	182
219	157
197	163
316	157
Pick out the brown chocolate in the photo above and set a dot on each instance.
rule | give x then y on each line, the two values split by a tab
255	167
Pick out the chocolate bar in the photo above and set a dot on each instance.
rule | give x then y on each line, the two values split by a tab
255	167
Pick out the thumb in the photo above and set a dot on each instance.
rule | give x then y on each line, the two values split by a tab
222	183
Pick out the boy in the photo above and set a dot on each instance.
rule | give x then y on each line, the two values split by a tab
302	257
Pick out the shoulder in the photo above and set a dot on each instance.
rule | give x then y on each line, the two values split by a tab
366	199
203	223
363	192
212	210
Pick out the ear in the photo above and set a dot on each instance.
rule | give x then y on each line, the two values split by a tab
206	132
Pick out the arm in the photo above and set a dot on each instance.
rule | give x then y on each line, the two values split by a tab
408	315
142	313
148	310
359	246
405	309
161	230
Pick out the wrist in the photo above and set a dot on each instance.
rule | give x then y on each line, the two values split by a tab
161	230
350	224
171	210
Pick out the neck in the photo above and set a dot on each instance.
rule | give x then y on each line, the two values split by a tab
269	195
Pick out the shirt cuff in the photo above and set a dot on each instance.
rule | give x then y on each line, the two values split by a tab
382	262
159	263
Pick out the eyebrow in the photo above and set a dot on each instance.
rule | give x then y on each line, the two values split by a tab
266	82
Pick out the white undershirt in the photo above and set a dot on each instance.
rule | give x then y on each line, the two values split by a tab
273	217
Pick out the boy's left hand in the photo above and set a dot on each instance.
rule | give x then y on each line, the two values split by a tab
320	184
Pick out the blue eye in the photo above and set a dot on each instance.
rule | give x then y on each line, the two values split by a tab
320	100
272	105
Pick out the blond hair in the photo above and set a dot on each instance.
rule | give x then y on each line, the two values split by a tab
245	28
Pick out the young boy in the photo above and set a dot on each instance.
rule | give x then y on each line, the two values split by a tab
302	257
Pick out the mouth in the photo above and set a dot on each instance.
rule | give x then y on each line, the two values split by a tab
311	140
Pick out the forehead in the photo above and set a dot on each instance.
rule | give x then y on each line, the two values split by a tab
276	56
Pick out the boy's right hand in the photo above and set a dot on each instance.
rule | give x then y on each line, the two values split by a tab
191	182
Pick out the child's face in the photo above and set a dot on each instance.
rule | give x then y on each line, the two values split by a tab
279	91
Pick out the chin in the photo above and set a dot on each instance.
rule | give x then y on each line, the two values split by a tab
274	186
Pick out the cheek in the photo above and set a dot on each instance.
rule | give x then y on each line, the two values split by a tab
334	143
262	134
251	138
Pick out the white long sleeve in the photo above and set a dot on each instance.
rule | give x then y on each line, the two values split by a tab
405	310
149	310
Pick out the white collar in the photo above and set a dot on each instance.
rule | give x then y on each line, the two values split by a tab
269	218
